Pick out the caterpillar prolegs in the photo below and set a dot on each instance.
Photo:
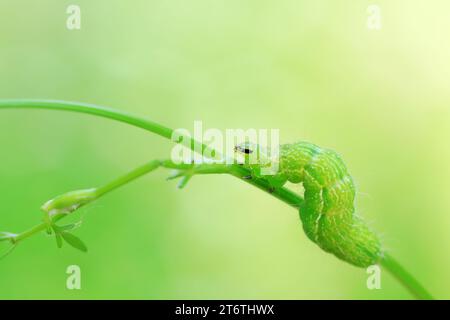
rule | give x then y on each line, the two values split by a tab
328	212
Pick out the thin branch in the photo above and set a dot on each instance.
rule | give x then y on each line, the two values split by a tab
59	207
282	193
405	278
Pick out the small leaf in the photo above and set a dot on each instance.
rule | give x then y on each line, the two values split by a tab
74	241
7	252
175	174
59	240
183	181
66	227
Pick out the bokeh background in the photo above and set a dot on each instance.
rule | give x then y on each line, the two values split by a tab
310	68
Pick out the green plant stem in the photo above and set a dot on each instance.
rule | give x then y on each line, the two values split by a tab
99	111
26	234
283	194
89	109
132	175
408	281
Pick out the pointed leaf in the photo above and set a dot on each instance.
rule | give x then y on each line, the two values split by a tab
59	240
74	241
175	174
66	227
7	252
183	181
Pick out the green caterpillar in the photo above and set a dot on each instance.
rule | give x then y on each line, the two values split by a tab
328	212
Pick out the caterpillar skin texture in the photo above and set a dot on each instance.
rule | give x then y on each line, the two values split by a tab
328	212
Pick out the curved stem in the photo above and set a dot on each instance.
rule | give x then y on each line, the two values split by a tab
104	112
132	175
89	109
405	278
283	194
30	232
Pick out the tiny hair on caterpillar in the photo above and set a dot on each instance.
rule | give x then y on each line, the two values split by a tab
328	212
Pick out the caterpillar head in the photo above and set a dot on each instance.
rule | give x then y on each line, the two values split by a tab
252	154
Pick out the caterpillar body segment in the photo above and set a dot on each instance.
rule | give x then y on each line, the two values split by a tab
328	212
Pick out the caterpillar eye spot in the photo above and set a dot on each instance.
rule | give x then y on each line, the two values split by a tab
243	150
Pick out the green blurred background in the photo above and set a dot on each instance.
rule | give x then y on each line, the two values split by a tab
310	68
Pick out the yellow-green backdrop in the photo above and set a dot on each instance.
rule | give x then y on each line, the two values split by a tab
311	68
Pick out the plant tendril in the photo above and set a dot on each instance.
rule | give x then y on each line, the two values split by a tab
59	207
